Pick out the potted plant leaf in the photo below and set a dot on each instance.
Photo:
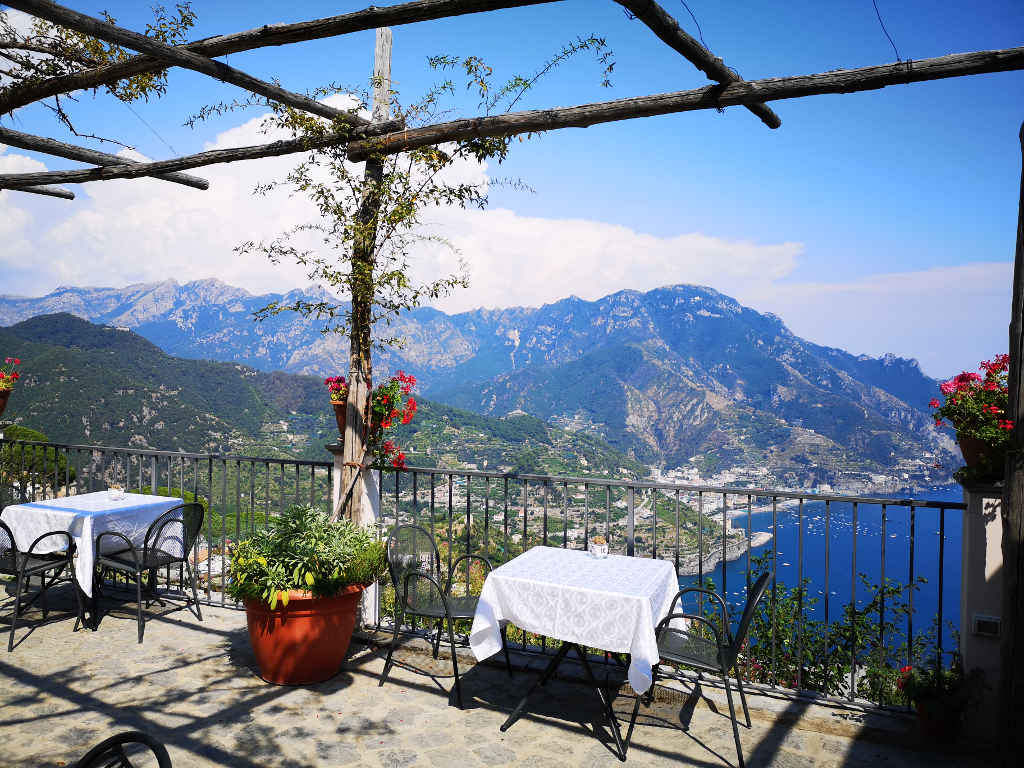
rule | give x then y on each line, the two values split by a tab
301	579
975	405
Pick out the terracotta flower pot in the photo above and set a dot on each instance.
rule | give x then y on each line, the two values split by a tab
939	720
984	463
304	641
340	415
972	448
4	396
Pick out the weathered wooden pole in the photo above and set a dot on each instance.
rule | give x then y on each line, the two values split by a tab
1011	686
361	288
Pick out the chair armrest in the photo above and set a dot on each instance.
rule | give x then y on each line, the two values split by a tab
455	565
125	539
716	597
663	625
67	550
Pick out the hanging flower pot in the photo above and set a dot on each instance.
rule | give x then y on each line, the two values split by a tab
338	388
8	375
340	414
974	450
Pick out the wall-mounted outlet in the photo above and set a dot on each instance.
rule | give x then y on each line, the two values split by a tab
987	626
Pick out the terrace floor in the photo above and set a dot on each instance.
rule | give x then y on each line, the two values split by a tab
193	686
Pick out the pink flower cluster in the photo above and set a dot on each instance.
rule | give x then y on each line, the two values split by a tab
7	373
975	404
338	388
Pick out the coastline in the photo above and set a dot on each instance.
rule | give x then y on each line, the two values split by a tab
734	549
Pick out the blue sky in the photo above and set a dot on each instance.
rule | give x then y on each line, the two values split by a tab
892	213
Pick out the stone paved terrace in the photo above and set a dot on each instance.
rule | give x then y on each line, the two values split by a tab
193	686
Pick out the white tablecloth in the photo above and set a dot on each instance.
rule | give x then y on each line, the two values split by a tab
85	517
614	604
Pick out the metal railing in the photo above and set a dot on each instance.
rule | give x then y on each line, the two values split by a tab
866	583
239	493
860	585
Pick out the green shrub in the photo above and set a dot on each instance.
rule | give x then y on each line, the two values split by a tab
304	549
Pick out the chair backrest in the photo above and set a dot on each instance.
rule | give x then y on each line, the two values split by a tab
8	550
412	548
176	530
753	598
123	751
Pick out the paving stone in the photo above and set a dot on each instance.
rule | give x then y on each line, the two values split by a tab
193	685
398	758
495	754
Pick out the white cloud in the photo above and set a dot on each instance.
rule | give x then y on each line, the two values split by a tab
127	231
949	318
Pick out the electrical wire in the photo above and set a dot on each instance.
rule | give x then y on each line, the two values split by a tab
699	32
151	128
882	23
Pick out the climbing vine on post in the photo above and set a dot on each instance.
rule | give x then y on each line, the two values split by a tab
372	217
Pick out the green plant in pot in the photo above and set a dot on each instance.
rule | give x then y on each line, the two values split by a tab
301	580
976	407
941	695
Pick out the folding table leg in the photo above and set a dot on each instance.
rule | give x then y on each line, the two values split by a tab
552	666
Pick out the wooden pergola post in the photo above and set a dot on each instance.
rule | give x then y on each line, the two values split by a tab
1011	686
361	283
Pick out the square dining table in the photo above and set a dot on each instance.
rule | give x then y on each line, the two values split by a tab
85	517
612	603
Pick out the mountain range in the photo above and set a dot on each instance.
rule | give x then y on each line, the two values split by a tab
678	376
90	384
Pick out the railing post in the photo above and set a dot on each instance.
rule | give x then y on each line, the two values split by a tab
981	594
631	523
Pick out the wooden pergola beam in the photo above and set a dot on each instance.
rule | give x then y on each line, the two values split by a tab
133	170
710	97
389	139
665	26
63	194
260	37
71	152
182	57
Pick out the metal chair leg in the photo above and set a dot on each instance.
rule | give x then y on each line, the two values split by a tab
138	595
438	630
42	593
391	649
195	593
17	609
455	663
743	696
732	716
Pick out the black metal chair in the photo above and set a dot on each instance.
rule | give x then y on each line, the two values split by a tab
692	647
169	541
49	567
415	567
122	751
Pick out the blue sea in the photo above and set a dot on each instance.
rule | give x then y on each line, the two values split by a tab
836	576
